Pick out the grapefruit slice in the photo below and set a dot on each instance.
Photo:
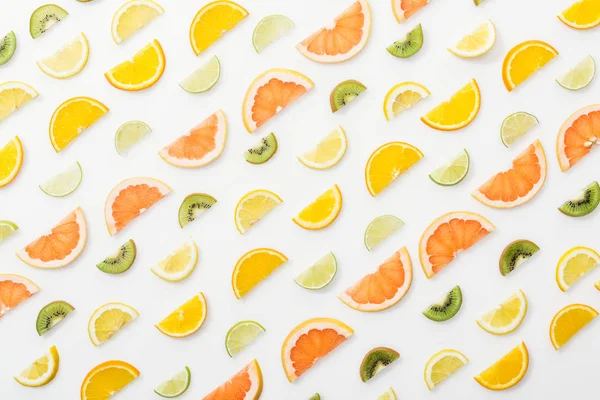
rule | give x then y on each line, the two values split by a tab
310	341
270	93
519	184
131	198
14	289
577	136
447	236
245	385
342	39
203	144
406	8
59	247
383	288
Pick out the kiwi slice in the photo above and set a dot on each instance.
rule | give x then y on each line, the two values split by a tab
445	307
376	360
51	315
44	18
344	93
316	396
194	205
120	261
583	204
515	254
8	45
262	151
409	46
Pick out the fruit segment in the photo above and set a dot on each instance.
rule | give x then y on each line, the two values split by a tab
344	93
132	16
176	385
247	384
14	290
253	267
179	264
404	9
8	45
523	60
108	319
14	95
68	61
387	163
44	18
402	97
409	45
477	42
577	136
12	160
106	379
516	253
141	71
505	317
574	265
506	372
568	321
51	315
270	29
72	118
441	365
446	307
582	14
458	112
375	361
328	152
585	203
241	335
212	21
186	319
253	206
322	212
42	371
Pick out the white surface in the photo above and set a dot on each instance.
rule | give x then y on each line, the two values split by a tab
279	304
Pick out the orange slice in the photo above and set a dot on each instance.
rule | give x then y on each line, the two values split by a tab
577	136
523	60
271	92
447	236
506	372
383	288
519	184
387	163
247	384
141	71
212	21
61	246
343	38
253	267
131	198
185	319
582	14
14	290
458	112
310	341
106	379
12	159
403	9
73	117
203	144
322	212
568	321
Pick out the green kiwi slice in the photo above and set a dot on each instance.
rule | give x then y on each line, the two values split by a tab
583	204
344	93
315	396
262	151
376	360
44	17
515	254
194	205
445	307
120	261
409	45
8	45
51	315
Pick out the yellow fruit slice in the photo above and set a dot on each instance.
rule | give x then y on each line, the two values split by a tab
523	60
185	320
328	152
106	379
13	95
402	97
387	163
42	371
132	16
141	71
388	395
477	42
582	14
506	372
574	264
68	61
12	159
443	364
73	117
213	21
253	267
457	113
322	212
568	321
597	285
108	319
506	316
179	264
253	206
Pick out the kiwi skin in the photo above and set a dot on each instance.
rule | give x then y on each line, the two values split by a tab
376	360
121	261
409	46
263	150
52	314
446	307
344	93
515	253
8	45
584	204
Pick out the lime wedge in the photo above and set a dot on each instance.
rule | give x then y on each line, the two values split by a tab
516	125
453	171
380	228
204	78
319	274
270	29
129	134
64	183
176	385
7	228
241	335
579	76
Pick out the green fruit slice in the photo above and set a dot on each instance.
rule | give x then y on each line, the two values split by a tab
583	204
376	360
129	134
204	78
44	18
51	315
454	171
515	254
64	183
409	45
319	275
269	30
262	151
579	76
380	229
7	229
478	2
446	306
241	335
344	93
315	396
516	125
8	45
121	260
193	206
176	385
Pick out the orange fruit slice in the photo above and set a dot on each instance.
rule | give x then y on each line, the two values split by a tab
59	247
14	289
506	372
447	236
12	159
131	198
271	92
322	212
519	184
71	118
212	21
252	268
523	60
568	321
247	384
458	112
203	144
405	8
383	288
343	38
185	319
387	163
141	71
310	341
106	379
582	14
577	136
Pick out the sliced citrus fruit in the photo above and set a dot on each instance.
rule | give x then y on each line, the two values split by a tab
322	212
108	319
12	159
132	16
179	264
269	30
186	319
328	152
403	9
42	371
7	229
577	136
241	335
69	60
14	95
253	267
519	184
176	385
597	285
458	112
341	39
523	60
506	372
318	275
402	97
129	134
380	229
516	125
568	321
212	21
579	76
582	14
574	265
506	316
204	78
106	379
389	394
453	171
478	42
387	163
141	71
252	207
247	384
310	341
64	183
14	290
443	364
73	117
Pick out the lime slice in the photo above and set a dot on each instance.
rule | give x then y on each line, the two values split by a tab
270	29
176	385
453	171
380	228
319	274
64	183
129	134
516	125
204	78
580	76
7	228
241	335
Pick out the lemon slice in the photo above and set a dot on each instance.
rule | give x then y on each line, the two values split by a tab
380	229
453	172
402	97
388	395
507	316
477	42
252	207
579	76
12	160
269	30
68	61
204	78
318	275
7	229
443	364
568	321
176	385
64	183
132	16
516	125
179	264
574	264
129	134
42	371
186	319
328	152
322	212
241	335
506	372
14	95
108	320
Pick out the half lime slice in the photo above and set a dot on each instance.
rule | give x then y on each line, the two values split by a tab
269	30
579	76
516	125
380	228
453	171
7	229
204	78
129	134
64	183
241	335
176	385
319	274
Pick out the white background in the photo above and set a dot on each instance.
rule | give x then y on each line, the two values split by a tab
278	303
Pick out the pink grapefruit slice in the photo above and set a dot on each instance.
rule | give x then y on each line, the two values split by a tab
247	384
14	290
577	136
403	9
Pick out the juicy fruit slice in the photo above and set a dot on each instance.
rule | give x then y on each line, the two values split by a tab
402	97
176	385
583	204
179	264
315	396
574	265
383	288
14	95
446	306
42	371
328	152
121	260
129	134
453	171
387	163
61	246
7	229
51	315
478	42
8	45
252	207
523	60
12	159
403	9
447	236
577	136
270	29
263	150
516	253
44	18
247	384
64	183
516	125
204	78
318	275
458	112
409	45
519	184
505	317
186	319
380	229
271	92
108	319
73	117
141	71
579	76
241	335
203	144
389	394
568	321
341	39
506	372
582	14
344	93
193	206
212	21
322	212
252	268
376	360
310	341
441	365
132	16
14	290
131	198
68	61
106	379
